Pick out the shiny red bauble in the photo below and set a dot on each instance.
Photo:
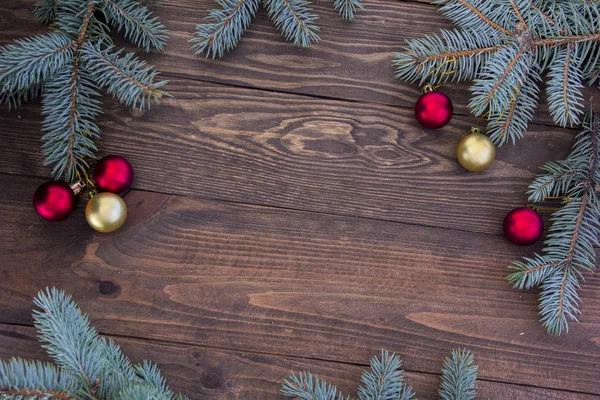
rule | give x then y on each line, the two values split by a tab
54	201
433	110
523	226
113	174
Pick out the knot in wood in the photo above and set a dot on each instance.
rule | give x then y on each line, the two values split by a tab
106	288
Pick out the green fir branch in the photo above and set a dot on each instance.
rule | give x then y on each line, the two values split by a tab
308	387
495	87
29	62
454	56
70	108
226	24
67	67
385	379
565	100
489	18
70	340
137	23
459	375
46	10
498	45
20	379
347	8
511	122
130	80
293	18
89	367
532	272
76	18
225	30
569	247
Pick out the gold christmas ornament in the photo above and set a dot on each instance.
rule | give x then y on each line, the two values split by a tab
475	151
105	212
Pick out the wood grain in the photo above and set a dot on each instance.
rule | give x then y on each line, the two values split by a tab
353	61
203	373
291	151
291	283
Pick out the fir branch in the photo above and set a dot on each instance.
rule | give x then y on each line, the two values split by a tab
230	22
91	368
125	77
46	10
454	56
385	379
559	300
499	43
532	272
347	8
496	87
492	18
458	376
76	19
70	110
20	379
137	22
293	18
30	61
308	387
565	100
510	123
569	250
70	341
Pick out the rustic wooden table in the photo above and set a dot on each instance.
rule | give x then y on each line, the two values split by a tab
288	213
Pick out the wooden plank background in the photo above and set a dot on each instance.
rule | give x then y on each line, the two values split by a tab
288	214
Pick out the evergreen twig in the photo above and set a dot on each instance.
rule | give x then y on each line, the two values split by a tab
69	66
293	18
458	376
385	381
88	366
504	47
569	250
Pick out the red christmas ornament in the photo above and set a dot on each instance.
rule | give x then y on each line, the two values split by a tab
523	226
54	201
433	109
113	174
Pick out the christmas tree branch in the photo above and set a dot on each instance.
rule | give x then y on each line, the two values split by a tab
126	78
70	111
532	272
30	61
46	10
496	44
308	387
471	15
458	376
347	8
569	250
90	367
293	18
497	86
511	122
20	379
230	22
137	23
384	380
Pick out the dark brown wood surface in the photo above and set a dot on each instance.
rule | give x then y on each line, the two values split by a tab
219	374
289	214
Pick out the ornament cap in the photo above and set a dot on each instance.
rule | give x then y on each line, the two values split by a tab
77	186
474	129
428	88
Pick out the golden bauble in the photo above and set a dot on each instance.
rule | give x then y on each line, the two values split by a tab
475	151
106	212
